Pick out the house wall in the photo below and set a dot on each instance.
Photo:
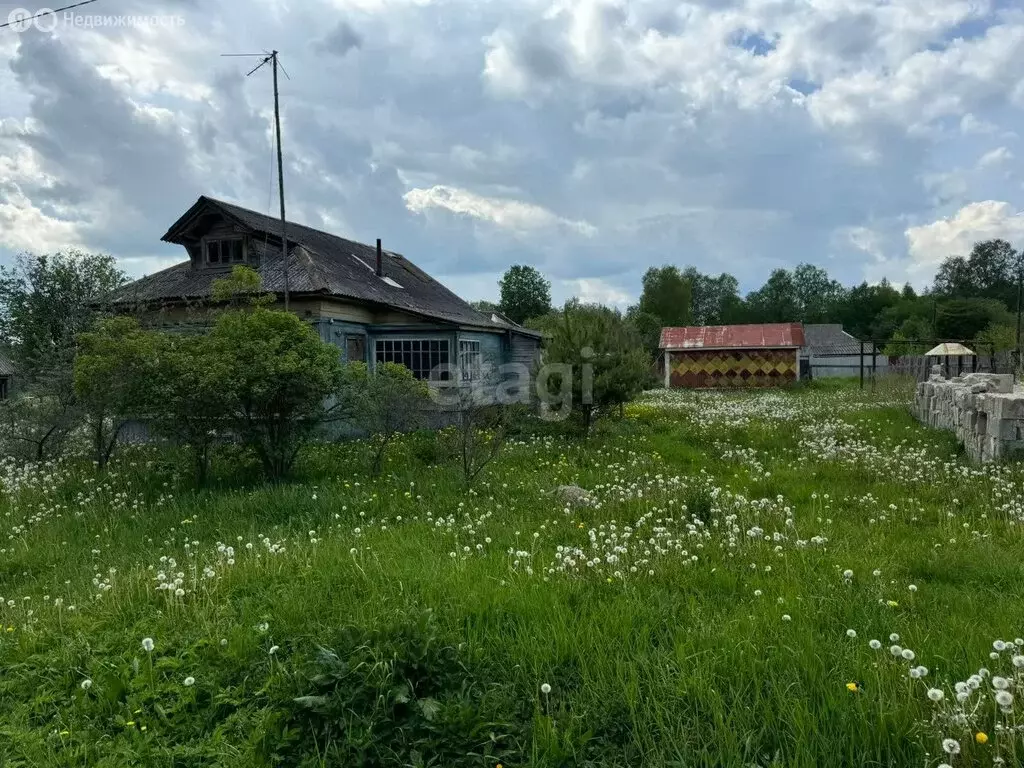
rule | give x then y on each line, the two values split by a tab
832	366
733	368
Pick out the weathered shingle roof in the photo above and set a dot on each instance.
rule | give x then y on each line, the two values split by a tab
6	366
733	336
831	339
318	263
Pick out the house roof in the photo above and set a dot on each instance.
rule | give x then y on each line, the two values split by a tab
318	263
949	349
733	336
830	339
6	366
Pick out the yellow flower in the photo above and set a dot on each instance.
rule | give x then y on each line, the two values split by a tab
65	733
852	687
129	724
892	604
981	737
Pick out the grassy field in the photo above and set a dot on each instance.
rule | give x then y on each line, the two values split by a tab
774	579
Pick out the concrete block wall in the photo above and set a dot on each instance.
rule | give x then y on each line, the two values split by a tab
985	410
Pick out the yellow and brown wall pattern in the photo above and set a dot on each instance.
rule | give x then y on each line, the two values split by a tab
707	368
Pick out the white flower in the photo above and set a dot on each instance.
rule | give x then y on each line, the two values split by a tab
875	645
951	746
786	617
895	650
944	765
1004	698
922	671
223	642
894	637
263	627
86	684
545	688
1000	683
147	644
1018	661
851	633
847	574
999	645
758	593
876	572
912	587
936	694
273	649
190	681
907	654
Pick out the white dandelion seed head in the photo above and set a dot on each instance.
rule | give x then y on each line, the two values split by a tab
223	642
1000	683
86	684
895	650
851	633
190	681
907	654
912	587
786	617
999	645
922	671
951	746
875	644
1004	698
895	638
1018	661
147	644
936	694
545	688
847	574
273	649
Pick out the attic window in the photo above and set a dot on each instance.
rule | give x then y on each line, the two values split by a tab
224	251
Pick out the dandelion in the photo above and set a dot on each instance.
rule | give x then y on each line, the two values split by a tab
894	638
1004	698
273	649
1018	661
907	654
852	687
847	574
912	587
190	681
758	593
851	633
86	684
545	688
1000	683
895	650
786	617
936	694
263	626
951	746
147	644
875	645
981	737
223	642
999	645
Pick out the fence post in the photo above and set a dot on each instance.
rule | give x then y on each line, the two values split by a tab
862	365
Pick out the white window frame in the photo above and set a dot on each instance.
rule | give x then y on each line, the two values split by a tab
444	350
470	359
206	250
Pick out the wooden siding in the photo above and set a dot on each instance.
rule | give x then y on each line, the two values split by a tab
730	368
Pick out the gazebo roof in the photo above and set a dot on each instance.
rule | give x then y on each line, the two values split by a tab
949	349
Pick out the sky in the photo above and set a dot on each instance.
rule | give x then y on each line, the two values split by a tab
591	139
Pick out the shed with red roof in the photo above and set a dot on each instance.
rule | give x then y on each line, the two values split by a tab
726	356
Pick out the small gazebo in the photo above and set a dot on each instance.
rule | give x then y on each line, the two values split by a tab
949	349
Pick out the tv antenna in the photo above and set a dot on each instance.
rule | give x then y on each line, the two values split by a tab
272	59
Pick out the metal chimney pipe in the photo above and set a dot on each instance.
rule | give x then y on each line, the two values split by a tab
380	260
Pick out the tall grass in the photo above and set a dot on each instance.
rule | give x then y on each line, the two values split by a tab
698	615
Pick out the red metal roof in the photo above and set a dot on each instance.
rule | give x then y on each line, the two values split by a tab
733	336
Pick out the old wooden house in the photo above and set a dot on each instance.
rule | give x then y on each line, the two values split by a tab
6	376
373	304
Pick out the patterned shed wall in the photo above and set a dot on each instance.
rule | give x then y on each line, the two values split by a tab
727	368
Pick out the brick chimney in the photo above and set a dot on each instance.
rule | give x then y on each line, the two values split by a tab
380	260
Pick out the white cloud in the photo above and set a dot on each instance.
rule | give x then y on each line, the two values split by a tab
503	212
595	290
996	157
929	244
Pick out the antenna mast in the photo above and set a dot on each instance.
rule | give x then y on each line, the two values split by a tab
272	59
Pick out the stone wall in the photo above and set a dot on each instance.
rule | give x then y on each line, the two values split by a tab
985	410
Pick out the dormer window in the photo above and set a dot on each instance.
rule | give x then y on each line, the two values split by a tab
224	251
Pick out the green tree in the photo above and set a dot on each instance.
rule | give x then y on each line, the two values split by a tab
777	301
667	295
189	396
384	403
817	294
485	306
242	287
989	272
648	328
278	378
45	302
965	318
596	359
996	338
524	293
114	373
